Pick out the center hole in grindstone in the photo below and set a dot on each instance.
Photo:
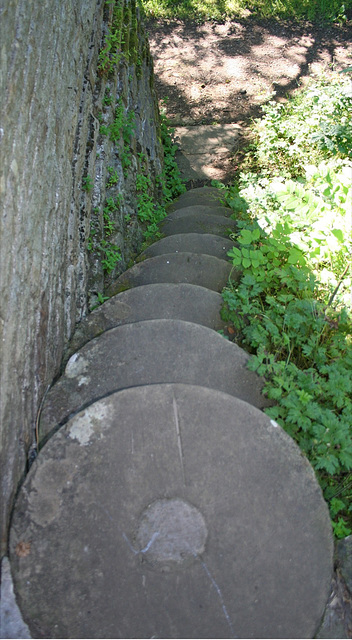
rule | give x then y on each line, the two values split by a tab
171	533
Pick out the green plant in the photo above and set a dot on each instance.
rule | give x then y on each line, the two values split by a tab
107	100
99	239
291	308
87	183
120	132
316	125
113	131
169	182
101	300
300	347
111	255
201	10
110	53
114	178
148	212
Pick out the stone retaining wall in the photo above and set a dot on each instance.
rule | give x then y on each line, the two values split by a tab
56	94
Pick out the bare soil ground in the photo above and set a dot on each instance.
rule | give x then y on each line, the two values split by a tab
224	72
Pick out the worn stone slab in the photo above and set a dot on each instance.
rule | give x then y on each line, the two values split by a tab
208	138
150	352
208	196
204	243
171	511
181	222
205	271
204	148
148	302
215	210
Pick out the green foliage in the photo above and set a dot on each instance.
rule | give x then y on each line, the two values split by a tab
114	178
301	348
148	212
169	182
110	54
300	182
201	10
198	10
315	125
100	300
99	240
320	10
108	99
291	308
87	183
110	255
120	132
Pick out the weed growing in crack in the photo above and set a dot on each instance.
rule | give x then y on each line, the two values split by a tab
108	252
87	183
110	54
100	300
114	178
120	132
169	182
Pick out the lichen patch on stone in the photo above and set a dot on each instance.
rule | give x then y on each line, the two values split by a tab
89	424
76	366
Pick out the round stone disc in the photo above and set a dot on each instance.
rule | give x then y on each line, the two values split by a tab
149	352
209	196
171	511
192	268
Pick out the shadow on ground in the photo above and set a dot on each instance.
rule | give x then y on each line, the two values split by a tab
224	72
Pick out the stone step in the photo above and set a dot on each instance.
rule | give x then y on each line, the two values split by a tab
181	222
204	243
208	196
205	271
150	352
204	210
171	511
149	302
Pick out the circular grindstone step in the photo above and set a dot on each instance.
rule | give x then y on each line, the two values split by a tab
201	209
149	302
204	243
181	222
208	196
192	268
171	511
150	352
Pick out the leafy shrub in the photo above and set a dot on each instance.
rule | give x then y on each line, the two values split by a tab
301	348
314	126
291	308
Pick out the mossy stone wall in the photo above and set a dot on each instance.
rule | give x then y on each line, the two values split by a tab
55	167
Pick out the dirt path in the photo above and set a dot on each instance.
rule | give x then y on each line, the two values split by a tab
223	72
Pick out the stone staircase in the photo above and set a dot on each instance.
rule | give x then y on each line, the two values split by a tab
165	503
